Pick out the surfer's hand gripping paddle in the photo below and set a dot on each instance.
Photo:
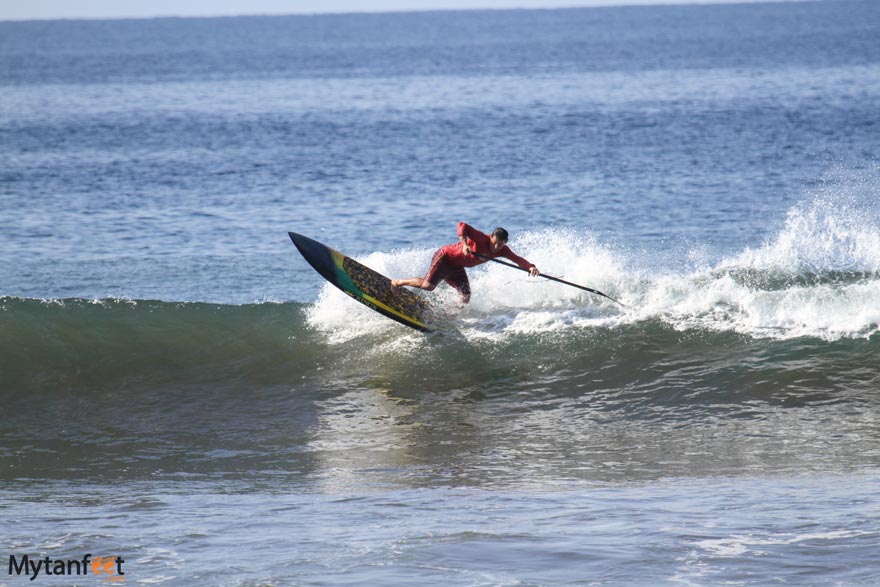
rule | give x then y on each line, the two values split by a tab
550	277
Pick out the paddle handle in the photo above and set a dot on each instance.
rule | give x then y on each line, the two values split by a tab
550	277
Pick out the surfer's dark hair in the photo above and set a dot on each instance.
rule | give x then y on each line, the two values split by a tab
501	234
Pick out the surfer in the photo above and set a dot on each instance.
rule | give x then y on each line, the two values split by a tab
473	248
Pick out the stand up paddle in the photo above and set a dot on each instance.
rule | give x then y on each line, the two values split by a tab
550	277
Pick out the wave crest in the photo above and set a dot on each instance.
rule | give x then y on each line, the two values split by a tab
819	276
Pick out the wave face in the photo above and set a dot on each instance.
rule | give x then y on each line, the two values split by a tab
128	389
68	345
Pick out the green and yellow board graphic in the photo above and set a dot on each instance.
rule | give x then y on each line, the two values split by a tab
363	284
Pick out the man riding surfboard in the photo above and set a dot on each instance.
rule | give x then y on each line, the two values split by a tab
474	248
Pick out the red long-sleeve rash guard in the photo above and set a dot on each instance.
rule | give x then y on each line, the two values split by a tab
479	242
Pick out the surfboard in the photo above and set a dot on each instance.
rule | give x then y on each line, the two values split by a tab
364	285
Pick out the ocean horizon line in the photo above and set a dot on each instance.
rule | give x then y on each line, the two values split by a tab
598	4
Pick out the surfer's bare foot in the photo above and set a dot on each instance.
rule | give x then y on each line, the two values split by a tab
395	286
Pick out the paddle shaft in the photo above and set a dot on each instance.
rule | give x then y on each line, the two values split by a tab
550	277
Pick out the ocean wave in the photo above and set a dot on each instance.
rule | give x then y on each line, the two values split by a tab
812	287
64	346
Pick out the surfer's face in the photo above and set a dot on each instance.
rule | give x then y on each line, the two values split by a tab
497	243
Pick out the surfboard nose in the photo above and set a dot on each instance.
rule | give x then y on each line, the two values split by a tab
302	241
318	255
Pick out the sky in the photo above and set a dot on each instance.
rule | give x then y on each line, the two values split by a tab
54	9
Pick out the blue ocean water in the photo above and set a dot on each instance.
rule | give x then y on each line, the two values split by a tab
180	386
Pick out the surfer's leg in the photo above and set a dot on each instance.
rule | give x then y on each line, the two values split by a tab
419	282
459	280
431	278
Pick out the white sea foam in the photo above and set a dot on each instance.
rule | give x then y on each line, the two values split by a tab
827	233
818	276
738	545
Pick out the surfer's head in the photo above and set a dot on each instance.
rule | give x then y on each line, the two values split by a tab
498	238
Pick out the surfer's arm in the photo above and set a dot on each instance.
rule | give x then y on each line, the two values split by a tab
465	231
522	263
